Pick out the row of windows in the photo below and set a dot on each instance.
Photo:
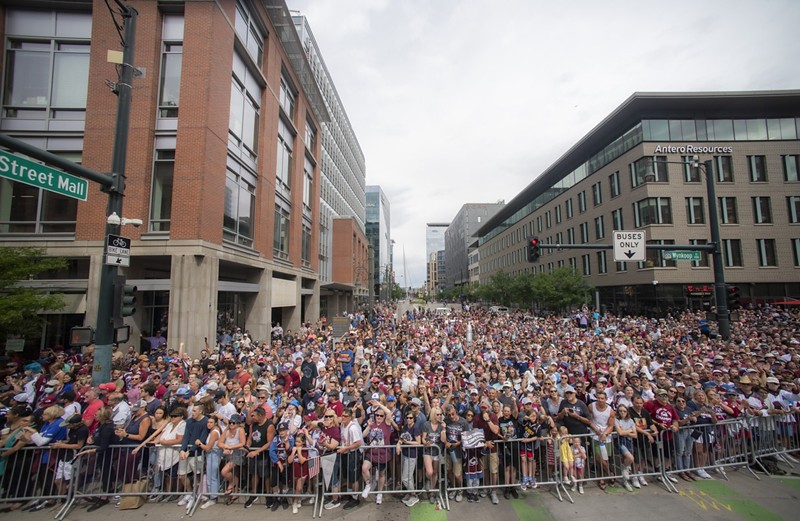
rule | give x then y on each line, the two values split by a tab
766	253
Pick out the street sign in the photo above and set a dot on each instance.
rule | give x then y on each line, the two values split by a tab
118	250
36	174
684	255
341	326
629	246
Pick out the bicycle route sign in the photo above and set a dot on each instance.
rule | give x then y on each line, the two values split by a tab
118	250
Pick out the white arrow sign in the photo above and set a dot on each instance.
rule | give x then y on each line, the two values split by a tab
629	246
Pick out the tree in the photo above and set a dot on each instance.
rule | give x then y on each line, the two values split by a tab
20	305
559	289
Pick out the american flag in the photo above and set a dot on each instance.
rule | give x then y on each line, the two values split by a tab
313	463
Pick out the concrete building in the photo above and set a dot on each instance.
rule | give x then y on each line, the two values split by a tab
459	236
434	242
631	172
342	190
223	162
379	235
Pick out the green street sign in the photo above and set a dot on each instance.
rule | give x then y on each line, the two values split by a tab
685	255
36	174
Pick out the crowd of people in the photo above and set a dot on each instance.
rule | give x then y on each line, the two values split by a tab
501	401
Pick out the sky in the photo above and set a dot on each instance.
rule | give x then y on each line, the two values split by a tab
457	102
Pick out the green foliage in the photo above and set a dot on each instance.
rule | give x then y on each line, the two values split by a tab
20	305
555	291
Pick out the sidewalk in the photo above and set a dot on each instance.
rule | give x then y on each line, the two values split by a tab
743	497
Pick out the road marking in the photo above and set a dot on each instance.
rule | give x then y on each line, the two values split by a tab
716	491
703	500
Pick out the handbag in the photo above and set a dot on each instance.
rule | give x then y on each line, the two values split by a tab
133	502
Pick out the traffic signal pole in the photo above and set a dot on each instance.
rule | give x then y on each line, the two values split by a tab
720	293
104	332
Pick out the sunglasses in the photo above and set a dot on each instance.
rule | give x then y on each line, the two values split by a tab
328	417
409	417
380	416
239	401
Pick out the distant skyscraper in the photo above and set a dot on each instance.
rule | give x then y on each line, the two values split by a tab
380	238
459	236
434	242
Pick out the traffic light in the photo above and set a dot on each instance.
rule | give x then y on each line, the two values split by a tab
124	298
533	249
734	297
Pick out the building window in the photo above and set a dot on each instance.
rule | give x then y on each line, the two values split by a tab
586	260
602	267
573	263
758	169
558	214
548	221
568	206
796	252
249	34
703	262
306	246
284	162
29	210
584	232
621	267
539	224
790	168
560	238
169	92
793	202
613	184
582	201
571	236
47	64
240	197
655	258
732	253
280	240
244	110
597	194
653	210
311	137
599	227
287	98
616	217
308	186
691	174
649	169
161	192
695	210
767	255
724	166
762	210
727	210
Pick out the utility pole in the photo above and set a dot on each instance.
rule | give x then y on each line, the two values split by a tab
104	332
720	295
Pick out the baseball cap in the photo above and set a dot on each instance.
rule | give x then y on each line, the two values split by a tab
75	419
376	396
569	389
662	392
139	404
107	387
283	426
390	398
526	401
773	380
416	401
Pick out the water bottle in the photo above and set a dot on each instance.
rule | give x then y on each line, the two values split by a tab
603	451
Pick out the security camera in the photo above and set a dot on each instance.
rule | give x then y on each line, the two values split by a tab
135	222
113	219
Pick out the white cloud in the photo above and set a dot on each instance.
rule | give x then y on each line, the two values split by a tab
468	101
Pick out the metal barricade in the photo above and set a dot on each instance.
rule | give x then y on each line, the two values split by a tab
508	466
714	446
632	462
379	471
253	478
30	474
773	437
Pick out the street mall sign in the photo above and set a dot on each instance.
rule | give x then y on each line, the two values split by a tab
36	174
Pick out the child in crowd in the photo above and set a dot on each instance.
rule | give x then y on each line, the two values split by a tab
567	456
579	462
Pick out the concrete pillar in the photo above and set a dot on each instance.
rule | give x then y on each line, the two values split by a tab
193	302
259	313
291	315
312	312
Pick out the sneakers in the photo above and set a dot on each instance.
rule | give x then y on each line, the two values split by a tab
184	500
506	494
451	494
379	499
473	498
431	498
333	503
580	488
514	493
635	482
574	487
675	480
628	486
642	481
208	503
532	483
703	474
294	508
250	501
626	474
524	484
366	490
353	503
483	493
412	500
189	505
459	497
493	495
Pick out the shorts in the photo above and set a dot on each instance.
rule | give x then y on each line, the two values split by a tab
453	461
380	466
257	466
64	470
526	450
281	479
492	462
596	449
190	465
349	467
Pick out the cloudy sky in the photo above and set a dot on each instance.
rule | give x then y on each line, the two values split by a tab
468	101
